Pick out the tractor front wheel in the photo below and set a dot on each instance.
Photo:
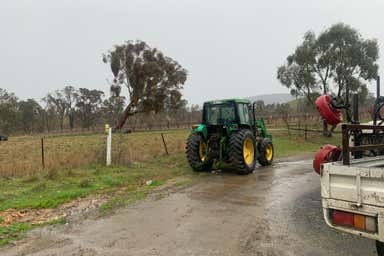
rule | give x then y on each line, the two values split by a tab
197	153
266	152
242	151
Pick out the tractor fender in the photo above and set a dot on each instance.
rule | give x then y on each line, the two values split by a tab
331	115
202	129
326	154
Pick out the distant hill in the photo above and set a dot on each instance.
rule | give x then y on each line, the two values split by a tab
273	98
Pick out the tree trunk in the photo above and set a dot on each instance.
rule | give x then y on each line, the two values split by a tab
71	121
61	123
128	111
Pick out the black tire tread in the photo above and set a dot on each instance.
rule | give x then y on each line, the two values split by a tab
262	159
235	151
192	153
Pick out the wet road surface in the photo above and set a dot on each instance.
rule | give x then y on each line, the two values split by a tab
274	211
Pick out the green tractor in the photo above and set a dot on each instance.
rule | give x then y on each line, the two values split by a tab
229	133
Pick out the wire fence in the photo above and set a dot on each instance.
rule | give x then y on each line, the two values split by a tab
24	155
28	155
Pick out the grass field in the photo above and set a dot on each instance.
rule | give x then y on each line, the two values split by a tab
21	156
77	162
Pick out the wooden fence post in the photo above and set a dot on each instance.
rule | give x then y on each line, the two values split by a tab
42	153
165	145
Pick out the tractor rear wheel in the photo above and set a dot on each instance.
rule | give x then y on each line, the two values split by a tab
266	152
241	151
197	153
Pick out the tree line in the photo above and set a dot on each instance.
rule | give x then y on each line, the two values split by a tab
67	109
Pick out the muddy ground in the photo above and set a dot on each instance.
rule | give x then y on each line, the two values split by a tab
274	211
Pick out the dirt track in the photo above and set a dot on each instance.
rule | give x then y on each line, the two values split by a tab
274	211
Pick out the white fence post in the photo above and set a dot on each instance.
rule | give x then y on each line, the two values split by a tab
109	147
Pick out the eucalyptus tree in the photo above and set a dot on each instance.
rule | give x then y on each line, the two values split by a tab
150	77
338	57
328	63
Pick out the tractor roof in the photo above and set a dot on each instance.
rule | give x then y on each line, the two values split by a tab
228	100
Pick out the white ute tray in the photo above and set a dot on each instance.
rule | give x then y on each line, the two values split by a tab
361	183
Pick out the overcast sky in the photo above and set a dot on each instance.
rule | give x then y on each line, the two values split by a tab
230	48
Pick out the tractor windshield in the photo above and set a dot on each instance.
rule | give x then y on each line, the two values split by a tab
220	114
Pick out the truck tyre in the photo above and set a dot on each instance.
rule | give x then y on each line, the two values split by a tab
380	248
266	152
241	151
197	153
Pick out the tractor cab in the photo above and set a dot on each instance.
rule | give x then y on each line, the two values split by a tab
229	132
227	113
232	114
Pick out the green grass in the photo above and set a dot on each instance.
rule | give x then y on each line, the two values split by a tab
44	192
13	232
286	145
16	230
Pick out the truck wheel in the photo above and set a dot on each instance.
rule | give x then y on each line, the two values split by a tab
241	151
266	152
380	248
197	153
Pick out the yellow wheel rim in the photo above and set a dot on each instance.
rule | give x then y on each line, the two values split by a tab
269	152
203	151
248	151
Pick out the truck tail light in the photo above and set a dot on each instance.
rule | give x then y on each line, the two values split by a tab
342	218
195	126
358	221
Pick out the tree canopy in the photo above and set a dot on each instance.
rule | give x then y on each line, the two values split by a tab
339	56
153	80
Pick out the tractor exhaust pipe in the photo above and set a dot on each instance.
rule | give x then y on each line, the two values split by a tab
356	108
377	100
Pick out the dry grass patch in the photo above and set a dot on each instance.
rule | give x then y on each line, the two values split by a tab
21	156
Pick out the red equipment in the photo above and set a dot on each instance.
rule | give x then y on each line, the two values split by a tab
331	115
326	154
